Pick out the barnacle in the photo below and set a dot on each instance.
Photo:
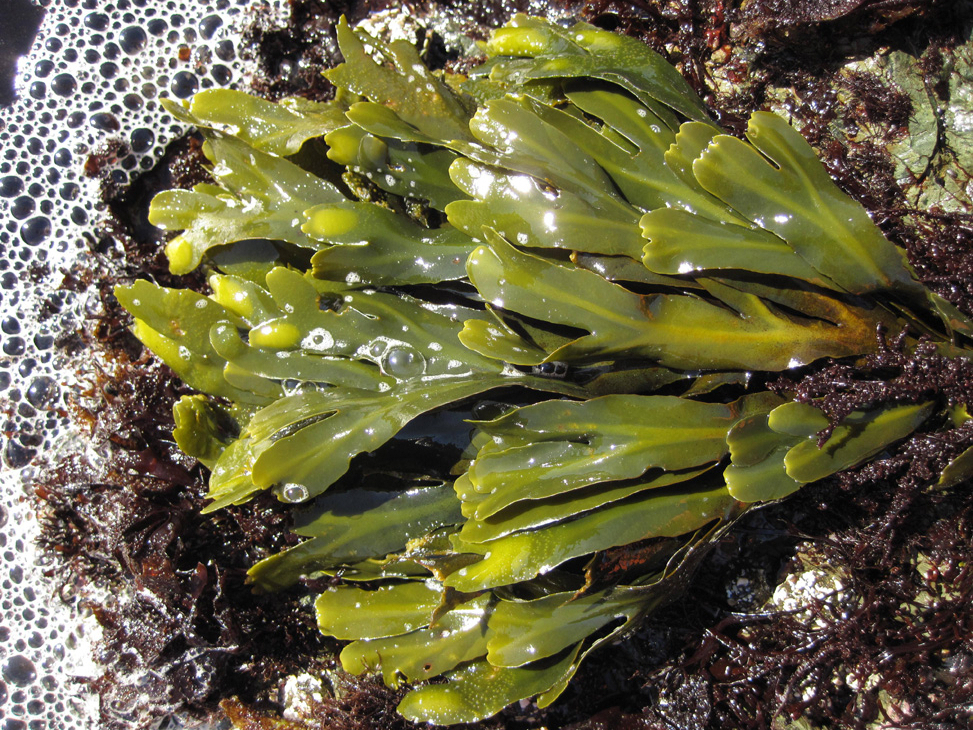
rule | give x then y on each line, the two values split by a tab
567	230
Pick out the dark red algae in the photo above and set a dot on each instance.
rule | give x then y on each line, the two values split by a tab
168	585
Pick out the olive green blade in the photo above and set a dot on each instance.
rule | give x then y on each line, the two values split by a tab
518	139
525	631
525	210
279	128
557	446
479	690
534	514
397	78
676	331
350	612
659	512
780	185
680	242
175	325
857	438
316	455
203	429
262	196
459	636
583	51
373	245
756	471
350	526
397	167
645	178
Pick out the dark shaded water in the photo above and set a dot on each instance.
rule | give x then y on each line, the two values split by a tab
19	21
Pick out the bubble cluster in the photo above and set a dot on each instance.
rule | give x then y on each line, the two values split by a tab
86	114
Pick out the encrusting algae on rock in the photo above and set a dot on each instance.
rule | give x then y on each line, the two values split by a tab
567	231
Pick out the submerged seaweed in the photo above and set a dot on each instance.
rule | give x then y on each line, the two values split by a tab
566	225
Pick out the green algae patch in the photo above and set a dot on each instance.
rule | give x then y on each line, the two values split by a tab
512	268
